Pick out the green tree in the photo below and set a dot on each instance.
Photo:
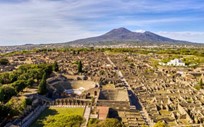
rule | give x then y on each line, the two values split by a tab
19	85
48	69
6	92
17	105
4	110
110	122
29	82
5	78
93	122
4	61
80	66
42	87
55	66
13	77
160	124
63	121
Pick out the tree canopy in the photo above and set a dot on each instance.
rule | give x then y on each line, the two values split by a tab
160	124
11	83
42	87
55	66
109	122
6	92
17	105
4	111
4	61
63	121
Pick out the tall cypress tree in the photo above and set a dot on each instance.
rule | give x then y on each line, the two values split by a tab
80	66
55	66
42	89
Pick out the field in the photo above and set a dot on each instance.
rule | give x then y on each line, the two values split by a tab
55	111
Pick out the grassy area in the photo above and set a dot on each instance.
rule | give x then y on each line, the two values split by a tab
55	111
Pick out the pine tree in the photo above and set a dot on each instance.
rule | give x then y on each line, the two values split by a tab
42	89
55	66
80	66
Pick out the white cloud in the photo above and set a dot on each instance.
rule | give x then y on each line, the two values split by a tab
145	22
140	31
39	21
187	36
43	21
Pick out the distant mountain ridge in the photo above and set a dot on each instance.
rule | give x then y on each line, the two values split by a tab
123	35
117	37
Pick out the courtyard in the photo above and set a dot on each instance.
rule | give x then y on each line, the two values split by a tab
67	111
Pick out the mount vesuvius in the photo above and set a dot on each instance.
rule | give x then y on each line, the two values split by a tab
125	36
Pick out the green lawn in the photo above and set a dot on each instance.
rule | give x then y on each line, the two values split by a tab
56	111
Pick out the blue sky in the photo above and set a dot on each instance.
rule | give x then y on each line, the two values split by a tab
50	21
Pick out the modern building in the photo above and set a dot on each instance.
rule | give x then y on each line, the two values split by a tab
174	62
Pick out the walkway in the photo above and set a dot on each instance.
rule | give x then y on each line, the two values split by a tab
87	113
26	122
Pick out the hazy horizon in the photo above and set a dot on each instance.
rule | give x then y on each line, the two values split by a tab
56	21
